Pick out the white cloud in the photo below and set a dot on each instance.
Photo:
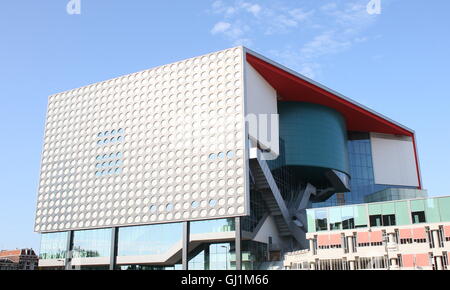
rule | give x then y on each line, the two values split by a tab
252	8
324	44
233	31
220	27
300	15
293	58
306	33
219	7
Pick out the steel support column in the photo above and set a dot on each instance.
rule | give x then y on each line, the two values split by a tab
238	239
113	251
185	250
69	248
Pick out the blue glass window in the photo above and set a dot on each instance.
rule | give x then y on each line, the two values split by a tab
53	245
92	243
149	240
213	257
213	226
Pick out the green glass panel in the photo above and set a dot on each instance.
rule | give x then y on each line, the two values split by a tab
246	256
335	215
321	219
374	209
444	208
311	220
360	216
347	212
417	205
431	211
388	208
402	213
335	218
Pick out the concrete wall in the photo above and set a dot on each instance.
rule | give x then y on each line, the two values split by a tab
261	101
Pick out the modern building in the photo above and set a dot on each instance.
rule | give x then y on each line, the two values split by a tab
20	259
404	234
206	163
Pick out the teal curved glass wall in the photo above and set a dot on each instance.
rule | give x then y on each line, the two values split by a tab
315	136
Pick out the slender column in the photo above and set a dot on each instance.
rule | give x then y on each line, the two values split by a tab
394	262
352	265
391	238
435	238
350	243
312	266
185	250
69	248
311	245
238	252
439	262
113	251
207	257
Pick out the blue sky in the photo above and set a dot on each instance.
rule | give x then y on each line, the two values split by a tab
396	63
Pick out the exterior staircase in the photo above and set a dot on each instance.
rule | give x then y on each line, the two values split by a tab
265	184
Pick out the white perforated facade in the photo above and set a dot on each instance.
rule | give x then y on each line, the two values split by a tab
162	145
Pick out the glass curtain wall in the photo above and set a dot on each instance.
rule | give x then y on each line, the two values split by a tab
92	243
213	226
213	257
221	256
395	213
53	245
149	240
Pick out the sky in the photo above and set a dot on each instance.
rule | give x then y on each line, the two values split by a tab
396	62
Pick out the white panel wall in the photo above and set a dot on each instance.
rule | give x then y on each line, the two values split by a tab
394	160
162	145
261	105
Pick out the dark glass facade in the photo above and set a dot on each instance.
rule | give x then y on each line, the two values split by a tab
258	210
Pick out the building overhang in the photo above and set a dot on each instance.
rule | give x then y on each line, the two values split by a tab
292	86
